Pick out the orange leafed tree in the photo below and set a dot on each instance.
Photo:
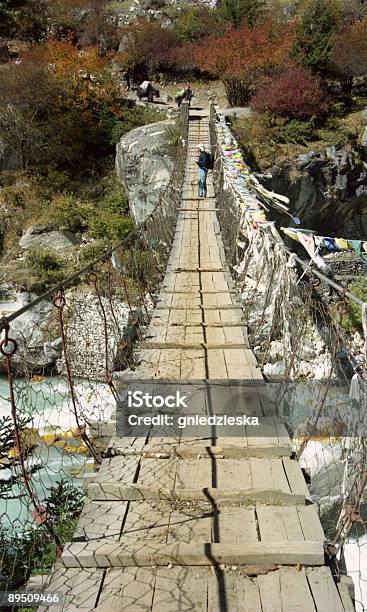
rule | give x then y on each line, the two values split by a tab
242	54
349	59
83	95
83	73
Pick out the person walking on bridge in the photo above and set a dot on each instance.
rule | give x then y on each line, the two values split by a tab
202	171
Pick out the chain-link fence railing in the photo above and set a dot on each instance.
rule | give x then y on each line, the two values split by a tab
312	352
61	356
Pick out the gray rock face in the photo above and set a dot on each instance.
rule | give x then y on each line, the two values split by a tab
334	182
144	167
237	111
364	138
34	352
48	240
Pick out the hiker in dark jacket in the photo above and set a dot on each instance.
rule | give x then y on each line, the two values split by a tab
202	171
127	79
188	93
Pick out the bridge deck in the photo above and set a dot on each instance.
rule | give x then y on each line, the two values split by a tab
207	522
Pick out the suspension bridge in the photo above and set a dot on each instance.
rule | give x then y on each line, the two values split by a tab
202	521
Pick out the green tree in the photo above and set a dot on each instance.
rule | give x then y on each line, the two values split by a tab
236	11
9	12
25	19
197	22
315	34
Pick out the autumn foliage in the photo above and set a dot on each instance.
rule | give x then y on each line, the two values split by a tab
245	51
147	46
294	93
55	102
349	58
241	55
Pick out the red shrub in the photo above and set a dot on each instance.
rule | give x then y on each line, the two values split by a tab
245	51
293	92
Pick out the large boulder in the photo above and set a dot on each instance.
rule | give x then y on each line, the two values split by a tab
54	240
36	351
144	167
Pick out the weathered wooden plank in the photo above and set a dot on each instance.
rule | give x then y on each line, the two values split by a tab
235	448
270	595
79	587
136	492
324	591
130	588
310	523
234	525
201	291
163	346
150	552
210	308
295	476
217	368
190	526
181	589
295	592
119	468
233	474
193	474
262	474
345	596
277	523
145	521
231	591
100	520
158	474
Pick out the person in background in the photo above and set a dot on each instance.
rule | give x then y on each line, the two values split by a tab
179	97
189	93
145	86
202	171
127	79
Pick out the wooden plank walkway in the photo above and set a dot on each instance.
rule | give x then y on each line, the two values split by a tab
200	522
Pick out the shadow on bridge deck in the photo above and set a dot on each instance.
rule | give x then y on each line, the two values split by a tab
200	522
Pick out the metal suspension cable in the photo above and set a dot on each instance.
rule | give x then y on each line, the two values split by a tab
140	229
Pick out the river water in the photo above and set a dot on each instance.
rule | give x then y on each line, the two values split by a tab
48	403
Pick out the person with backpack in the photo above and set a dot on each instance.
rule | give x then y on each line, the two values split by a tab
179	97
205	162
189	94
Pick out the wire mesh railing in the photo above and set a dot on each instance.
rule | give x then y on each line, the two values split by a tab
313	353
61	355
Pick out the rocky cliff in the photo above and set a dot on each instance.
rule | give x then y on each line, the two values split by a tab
328	190
144	167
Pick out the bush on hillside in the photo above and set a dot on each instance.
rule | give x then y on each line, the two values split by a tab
296	132
147	47
47	265
294	93
196	23
111	227
238	11
242	55
352	321
67	212
349	57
